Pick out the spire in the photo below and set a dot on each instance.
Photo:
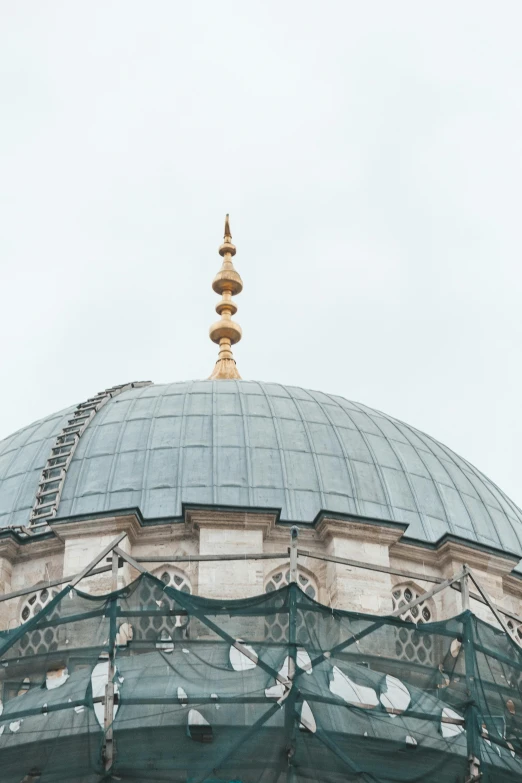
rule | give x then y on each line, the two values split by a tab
226	332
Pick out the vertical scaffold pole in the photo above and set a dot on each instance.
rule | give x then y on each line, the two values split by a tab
108	715
294	533
114	572
290	703
471	718
471	713
464	590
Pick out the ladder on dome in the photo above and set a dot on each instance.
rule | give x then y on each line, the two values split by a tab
52	479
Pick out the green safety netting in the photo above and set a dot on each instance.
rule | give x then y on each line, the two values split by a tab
311	694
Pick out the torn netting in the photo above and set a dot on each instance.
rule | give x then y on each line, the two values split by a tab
271	688
48	729
194	708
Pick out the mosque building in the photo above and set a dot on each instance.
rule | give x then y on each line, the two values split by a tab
236	580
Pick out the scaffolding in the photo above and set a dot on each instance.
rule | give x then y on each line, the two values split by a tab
149	683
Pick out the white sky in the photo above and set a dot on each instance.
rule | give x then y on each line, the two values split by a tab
370	155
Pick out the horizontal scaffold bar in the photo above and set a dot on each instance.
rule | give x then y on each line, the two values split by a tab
64	580
211	558
370	566
91	570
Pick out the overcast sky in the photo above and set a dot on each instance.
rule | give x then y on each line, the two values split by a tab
370	156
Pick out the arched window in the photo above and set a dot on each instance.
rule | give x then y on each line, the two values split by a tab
36	602
38	642
404	594
174	578
281	577
409	644
515	631
165	629
276	625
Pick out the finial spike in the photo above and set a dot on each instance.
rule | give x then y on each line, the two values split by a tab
226	332
228	232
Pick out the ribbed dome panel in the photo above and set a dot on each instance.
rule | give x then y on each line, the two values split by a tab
253	444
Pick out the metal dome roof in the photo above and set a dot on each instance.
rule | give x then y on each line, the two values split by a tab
245	443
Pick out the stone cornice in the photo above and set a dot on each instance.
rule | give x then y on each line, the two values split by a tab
13	549
512	584
452	551
160	534
457	552
101	525
372	531
230	518
415	554
9	548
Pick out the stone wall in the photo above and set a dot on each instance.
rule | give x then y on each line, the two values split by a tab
218	533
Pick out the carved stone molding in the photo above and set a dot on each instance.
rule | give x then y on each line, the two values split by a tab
196	518
385	534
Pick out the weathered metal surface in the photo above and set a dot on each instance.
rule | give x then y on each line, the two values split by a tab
55	469
262	445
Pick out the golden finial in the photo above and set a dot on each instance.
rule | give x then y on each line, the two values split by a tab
226	332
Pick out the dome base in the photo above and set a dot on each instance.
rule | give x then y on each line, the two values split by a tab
225	369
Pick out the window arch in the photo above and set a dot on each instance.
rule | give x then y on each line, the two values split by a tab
276	625
173	577
410	645
38	642
165	629
515	631
403	594
36	602
281	577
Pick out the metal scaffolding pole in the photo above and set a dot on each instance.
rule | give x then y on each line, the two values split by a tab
464	589
471	711
291	726
108	713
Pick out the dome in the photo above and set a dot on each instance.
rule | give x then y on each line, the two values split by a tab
258	445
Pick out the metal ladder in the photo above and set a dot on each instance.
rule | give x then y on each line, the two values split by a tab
51	482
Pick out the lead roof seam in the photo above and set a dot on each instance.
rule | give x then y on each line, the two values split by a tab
106	396
378	468
51	438
16	452
288	495
506	505
179	475
475	480
81	469
375	463
439	461
433	480
482	500
507	500
246	438
346	457
312	451
152	425
32	430
423	436
117	453
422	514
